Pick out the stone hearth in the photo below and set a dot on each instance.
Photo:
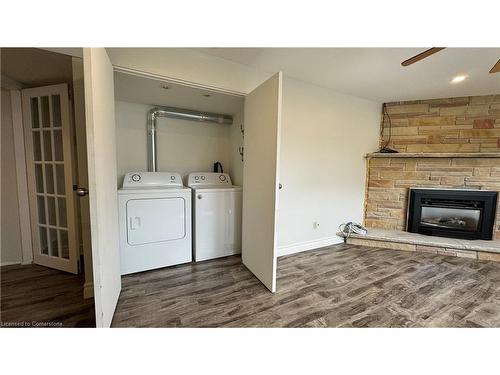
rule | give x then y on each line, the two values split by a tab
400	240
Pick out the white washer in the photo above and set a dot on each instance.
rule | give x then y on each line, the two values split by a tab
155	221
216	215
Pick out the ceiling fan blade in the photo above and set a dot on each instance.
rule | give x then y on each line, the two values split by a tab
496	67
423	55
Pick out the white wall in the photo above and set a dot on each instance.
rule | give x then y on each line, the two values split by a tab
11	248
324	138
183	146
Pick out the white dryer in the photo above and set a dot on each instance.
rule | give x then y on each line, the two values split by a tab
216	215
155	221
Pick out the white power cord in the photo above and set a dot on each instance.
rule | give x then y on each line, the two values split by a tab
348	228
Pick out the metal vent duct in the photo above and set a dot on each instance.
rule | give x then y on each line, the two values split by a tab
176	113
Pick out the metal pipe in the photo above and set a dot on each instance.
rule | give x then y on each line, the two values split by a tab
177	113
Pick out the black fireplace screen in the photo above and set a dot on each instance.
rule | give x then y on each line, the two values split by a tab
468	214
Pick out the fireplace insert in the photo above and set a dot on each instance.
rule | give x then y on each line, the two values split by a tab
467	214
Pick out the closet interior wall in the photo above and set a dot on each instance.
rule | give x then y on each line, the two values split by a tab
182	146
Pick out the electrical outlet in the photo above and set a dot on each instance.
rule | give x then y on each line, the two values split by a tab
315	225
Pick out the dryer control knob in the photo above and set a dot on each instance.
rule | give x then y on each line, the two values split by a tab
136	177
199	196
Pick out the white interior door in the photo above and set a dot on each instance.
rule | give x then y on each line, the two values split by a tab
260	179
47	132
103	202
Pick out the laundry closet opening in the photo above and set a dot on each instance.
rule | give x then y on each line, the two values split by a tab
179	157
182	146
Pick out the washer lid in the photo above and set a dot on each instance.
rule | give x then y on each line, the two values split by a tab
141	180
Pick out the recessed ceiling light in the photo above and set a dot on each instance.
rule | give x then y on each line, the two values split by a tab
458	79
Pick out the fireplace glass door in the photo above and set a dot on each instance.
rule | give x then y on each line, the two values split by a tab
451	218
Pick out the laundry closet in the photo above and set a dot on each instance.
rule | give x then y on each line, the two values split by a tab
241	131
172	208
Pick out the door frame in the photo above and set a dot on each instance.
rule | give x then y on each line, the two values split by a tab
21	177
82	173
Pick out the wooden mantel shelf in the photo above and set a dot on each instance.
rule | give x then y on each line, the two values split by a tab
434	155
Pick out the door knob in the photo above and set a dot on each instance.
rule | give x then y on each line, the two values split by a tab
81	191
280	186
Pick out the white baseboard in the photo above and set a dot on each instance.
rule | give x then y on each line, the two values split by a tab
9	263
88	290
308	245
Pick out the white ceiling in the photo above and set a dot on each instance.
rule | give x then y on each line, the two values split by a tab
371	73
150	91
376	73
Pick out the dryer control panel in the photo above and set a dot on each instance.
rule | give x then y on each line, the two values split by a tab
136	180
208	179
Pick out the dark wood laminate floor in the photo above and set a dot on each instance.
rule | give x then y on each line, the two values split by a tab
341	286
33	293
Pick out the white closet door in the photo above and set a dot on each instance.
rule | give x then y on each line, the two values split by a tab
101	154
260	178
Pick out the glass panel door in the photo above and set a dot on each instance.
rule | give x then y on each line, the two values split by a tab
48	154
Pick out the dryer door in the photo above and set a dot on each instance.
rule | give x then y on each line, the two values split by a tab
155	220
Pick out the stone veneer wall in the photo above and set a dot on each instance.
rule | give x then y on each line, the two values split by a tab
465	124
390	178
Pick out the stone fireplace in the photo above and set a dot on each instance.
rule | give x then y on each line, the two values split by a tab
443	144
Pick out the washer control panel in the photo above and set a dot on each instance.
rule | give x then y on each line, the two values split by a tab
151	180
208	179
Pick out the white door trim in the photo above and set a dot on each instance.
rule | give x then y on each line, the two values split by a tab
82	177
21	177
